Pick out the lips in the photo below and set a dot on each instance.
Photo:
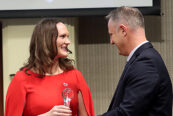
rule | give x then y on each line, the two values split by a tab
64	48
62	51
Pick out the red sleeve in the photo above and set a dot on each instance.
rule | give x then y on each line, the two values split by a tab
86	94
15	98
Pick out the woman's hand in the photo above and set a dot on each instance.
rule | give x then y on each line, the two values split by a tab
59	110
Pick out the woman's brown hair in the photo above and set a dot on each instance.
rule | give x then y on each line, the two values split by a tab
43	49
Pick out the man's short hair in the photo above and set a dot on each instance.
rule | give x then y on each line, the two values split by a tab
131	16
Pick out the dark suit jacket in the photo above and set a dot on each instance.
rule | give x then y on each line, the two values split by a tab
144	88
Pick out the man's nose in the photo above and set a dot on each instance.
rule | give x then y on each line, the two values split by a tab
111	42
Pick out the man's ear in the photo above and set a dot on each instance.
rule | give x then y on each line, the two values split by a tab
123	29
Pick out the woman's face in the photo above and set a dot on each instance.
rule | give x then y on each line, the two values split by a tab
62	40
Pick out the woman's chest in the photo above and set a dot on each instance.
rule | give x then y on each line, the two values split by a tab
42	96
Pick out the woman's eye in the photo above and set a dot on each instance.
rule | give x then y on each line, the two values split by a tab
62	36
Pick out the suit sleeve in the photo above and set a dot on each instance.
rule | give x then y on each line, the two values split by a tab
15	98
140	86
86	94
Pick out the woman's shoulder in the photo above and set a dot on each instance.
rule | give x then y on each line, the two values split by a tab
21	75
76	74
22	72
74	71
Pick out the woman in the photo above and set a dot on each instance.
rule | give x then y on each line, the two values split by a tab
38	88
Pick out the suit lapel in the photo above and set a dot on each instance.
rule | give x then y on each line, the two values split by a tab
135	55
139	51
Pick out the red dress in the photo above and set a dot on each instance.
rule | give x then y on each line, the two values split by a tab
29	95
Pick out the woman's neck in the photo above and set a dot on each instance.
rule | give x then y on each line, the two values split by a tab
55	69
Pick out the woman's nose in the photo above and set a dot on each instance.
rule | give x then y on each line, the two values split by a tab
67	41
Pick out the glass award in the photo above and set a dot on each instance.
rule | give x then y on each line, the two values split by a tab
67	96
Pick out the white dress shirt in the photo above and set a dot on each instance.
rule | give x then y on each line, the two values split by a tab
133	51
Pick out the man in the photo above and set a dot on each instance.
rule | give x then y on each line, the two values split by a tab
145	87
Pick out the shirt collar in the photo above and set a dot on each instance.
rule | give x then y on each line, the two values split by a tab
133	51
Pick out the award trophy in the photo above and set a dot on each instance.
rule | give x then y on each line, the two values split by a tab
67	96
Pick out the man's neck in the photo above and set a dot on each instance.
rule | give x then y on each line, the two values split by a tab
133	51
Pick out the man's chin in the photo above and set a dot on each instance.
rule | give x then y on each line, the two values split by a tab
122	54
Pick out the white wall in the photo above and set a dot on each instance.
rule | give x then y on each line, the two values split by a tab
16	39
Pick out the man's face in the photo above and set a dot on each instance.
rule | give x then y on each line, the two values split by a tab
116	36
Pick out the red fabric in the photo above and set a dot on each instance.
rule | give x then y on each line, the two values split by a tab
31	96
